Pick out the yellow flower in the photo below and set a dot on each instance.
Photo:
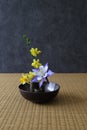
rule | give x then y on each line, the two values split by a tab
35	51
30	75
24	79
36	63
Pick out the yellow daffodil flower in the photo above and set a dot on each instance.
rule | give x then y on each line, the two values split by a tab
24	79
36	63
35	51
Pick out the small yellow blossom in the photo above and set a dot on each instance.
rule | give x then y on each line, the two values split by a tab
35	51
24	79
36	63
30	75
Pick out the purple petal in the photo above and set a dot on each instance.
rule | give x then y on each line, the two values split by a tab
35	70
34	79
46	67
49	73
41	83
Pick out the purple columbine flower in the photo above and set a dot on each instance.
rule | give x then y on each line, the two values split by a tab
41	74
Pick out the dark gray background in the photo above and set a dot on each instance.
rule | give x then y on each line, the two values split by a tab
58	27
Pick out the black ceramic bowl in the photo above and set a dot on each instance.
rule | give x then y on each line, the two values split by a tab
51	90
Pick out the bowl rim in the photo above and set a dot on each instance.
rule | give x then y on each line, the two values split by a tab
27	91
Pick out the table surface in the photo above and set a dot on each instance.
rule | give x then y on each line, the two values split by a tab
68	111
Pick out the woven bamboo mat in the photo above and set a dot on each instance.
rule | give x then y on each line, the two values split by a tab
68	111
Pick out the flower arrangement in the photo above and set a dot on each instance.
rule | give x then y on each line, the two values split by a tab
39	74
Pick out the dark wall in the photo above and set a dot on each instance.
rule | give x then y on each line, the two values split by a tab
58	27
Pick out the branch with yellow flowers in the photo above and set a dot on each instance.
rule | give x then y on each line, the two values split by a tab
40	73
36	62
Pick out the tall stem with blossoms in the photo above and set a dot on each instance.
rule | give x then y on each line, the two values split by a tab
39	72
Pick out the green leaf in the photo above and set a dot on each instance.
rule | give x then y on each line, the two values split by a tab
28	41
24	36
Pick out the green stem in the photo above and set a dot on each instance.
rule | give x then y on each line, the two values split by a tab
31	87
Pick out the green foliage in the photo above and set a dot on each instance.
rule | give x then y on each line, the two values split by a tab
28	41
